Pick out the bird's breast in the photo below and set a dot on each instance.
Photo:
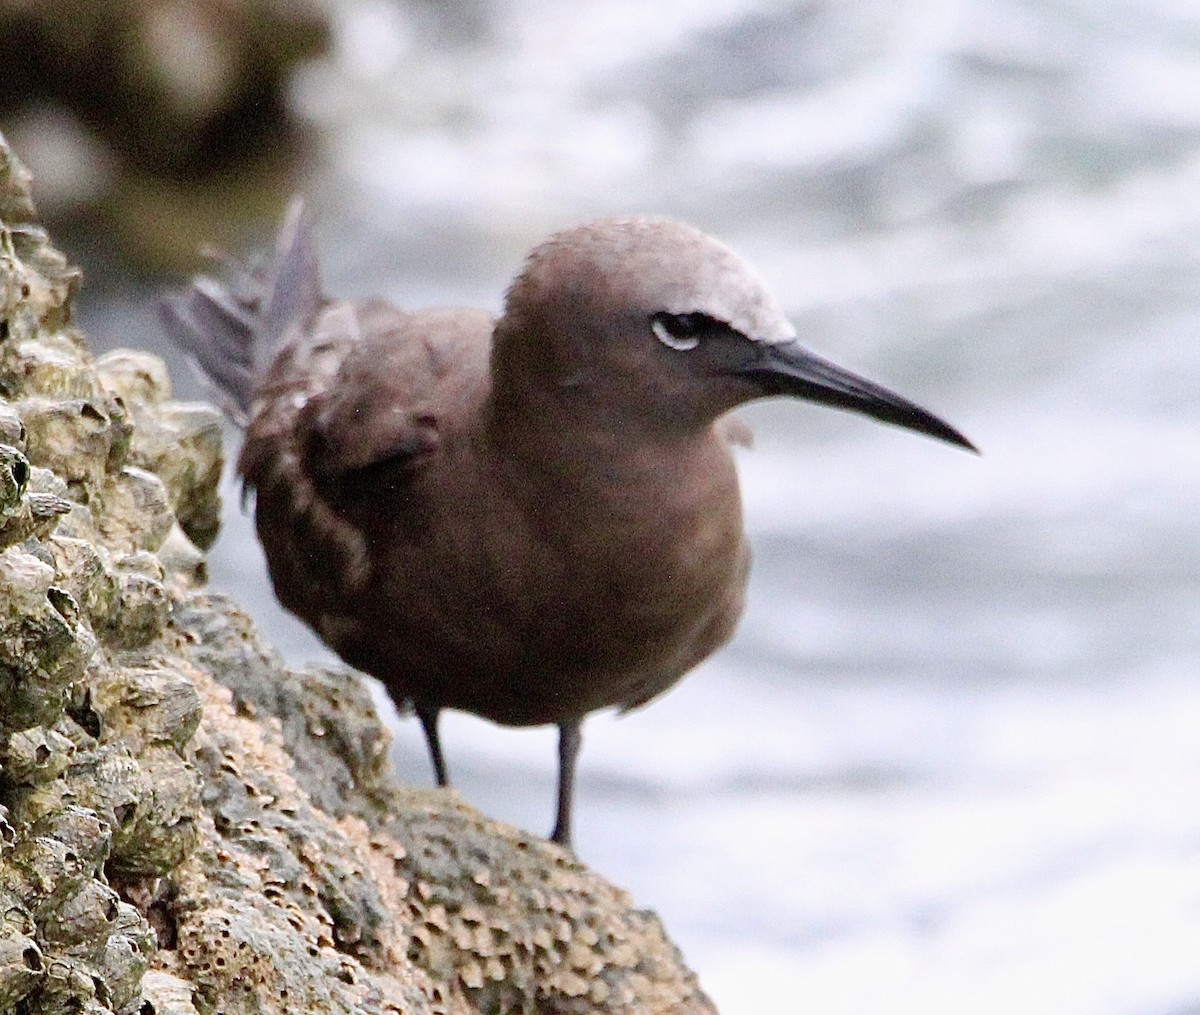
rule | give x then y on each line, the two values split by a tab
639	572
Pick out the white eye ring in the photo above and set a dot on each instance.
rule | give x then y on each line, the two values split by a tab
671	341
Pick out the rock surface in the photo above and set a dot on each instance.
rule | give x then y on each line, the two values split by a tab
138	112
187	826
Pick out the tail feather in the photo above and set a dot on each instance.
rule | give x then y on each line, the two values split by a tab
218	336
293	281
232	331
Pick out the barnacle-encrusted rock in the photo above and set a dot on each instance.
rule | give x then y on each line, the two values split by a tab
45	648
180	442
71	437
36	755
22	964
14	474
186	826
167	994
137	611
25	509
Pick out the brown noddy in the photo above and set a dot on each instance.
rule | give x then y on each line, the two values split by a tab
529	517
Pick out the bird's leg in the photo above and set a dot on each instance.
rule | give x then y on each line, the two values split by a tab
569	739
428	714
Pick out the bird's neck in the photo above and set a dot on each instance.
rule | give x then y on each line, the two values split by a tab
568	431
588	475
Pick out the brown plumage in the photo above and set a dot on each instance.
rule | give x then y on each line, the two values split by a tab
527	518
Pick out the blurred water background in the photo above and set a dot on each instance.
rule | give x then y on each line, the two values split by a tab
952	760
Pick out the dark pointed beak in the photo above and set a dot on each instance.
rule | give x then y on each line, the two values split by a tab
787	368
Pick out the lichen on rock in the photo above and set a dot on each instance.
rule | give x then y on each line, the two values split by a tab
186	825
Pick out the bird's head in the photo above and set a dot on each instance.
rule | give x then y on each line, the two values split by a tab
650	321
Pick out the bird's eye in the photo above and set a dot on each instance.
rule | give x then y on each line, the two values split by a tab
680	331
